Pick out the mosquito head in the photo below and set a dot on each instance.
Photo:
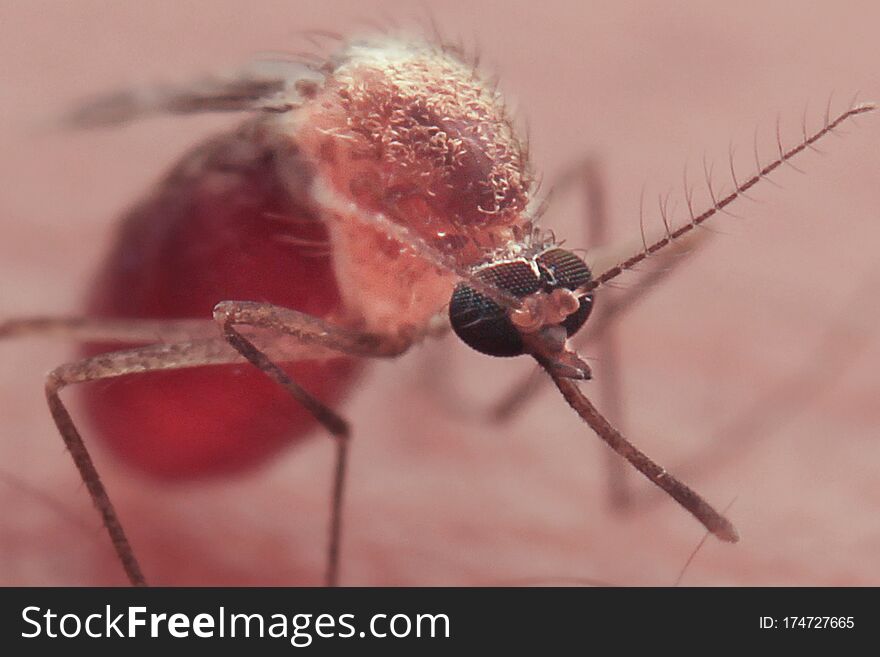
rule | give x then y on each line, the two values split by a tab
548	282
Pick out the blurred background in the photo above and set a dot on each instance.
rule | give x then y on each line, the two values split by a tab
751	371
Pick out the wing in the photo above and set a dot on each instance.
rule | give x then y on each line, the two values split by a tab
268	87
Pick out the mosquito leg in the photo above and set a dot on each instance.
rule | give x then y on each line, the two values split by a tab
335	424
308	329
143	359
109	365
311	336
92	480
150	331
128	331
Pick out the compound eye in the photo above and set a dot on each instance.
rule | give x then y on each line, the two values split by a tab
561	268
480	322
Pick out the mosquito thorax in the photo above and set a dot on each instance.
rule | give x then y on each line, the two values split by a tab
410	132
546	281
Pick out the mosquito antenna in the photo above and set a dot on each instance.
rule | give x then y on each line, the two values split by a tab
680	492
720	204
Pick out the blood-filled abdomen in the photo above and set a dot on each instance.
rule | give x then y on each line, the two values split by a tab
221	226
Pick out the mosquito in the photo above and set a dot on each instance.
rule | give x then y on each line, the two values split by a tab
372	199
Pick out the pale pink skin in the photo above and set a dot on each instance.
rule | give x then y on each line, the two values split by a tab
434	497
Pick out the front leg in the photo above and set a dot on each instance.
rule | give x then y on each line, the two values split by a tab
309	330
312	338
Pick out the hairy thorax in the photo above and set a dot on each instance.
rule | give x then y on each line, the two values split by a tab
409	133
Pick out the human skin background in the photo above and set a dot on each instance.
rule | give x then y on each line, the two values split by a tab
436	497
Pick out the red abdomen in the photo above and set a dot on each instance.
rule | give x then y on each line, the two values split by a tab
221	226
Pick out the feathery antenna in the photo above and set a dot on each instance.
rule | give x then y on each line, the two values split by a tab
719	205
